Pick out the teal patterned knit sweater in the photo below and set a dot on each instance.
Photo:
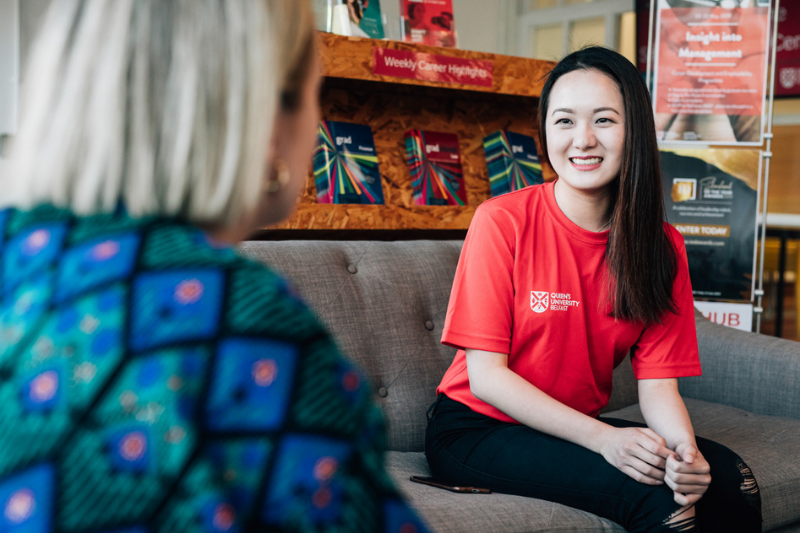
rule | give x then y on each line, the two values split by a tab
152	381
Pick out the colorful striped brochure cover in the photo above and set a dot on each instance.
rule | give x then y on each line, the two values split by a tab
435	163
346	165
512	160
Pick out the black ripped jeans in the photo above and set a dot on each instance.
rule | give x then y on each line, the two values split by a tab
467	448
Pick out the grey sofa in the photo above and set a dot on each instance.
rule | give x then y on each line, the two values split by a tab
385	302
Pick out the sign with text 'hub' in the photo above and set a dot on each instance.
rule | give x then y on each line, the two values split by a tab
736	316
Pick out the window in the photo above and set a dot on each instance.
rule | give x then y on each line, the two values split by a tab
550	29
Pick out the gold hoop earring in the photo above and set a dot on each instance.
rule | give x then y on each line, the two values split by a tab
282	177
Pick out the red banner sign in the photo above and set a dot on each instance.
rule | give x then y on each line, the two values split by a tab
787	82
431	67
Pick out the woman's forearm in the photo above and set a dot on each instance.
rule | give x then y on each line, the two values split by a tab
638	452
493	382
664	411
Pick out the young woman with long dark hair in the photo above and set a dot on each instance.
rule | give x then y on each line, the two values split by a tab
555	285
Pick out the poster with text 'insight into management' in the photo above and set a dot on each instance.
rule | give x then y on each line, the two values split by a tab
711	71
787	53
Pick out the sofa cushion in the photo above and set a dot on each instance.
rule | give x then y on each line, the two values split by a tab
485	513
385	304
768	444
756	373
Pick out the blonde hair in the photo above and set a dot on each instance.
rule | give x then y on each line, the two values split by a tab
163	106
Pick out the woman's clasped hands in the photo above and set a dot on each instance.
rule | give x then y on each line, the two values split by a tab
687	473
642	454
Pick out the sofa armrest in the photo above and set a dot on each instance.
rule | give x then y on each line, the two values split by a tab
753	372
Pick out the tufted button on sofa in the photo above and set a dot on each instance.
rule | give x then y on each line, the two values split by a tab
385	302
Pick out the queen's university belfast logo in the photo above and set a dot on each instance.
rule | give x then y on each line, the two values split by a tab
540	301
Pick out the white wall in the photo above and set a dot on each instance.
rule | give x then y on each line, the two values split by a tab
9	61
19	22
31	16
486	26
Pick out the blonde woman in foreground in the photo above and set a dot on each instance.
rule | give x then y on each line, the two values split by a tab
152	379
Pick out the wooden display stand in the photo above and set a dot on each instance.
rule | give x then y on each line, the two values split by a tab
391	106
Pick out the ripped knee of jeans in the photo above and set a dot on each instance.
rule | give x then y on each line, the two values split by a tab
682	520
749	487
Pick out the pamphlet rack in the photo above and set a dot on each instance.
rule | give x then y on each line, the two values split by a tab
393	105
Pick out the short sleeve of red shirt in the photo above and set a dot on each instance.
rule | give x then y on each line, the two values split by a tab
669	349
481	302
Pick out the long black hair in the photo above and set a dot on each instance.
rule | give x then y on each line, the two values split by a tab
640	258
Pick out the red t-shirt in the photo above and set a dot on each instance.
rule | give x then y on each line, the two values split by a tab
530	283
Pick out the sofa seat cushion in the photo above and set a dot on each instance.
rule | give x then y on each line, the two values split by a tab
769	445
485	513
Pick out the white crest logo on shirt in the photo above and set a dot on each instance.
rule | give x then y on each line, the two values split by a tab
540	301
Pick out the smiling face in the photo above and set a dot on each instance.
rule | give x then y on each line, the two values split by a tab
585	129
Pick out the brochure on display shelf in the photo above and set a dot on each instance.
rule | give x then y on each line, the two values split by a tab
434	160
365	16
428	22
346	165
512	161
